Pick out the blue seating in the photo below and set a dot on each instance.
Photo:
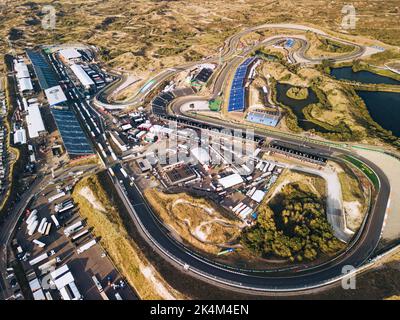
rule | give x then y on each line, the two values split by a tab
237	95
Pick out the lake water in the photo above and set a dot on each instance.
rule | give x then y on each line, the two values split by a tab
347	73
384	108
297	106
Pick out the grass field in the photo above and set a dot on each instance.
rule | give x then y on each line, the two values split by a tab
145	34
364	168
95	205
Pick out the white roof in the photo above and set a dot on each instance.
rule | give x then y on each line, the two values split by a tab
126	126
39	295
34	285
58	272
25	84
55	95
20	136
74	291
64	294
34	121
70	53
230	181
201	155
81	75
22	70
258	196
20	67
161	129
64	280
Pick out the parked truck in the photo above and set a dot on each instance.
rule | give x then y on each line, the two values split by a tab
86	246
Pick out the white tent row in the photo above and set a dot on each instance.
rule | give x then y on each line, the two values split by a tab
25	84
82	75
34	121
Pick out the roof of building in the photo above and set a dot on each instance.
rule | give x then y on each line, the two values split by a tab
144	164
25	84
74	139
180	174
237	92
21	69
201	155
44	71
263	118
59	271
39	295
34	121
70	53
230	181
258	195
20	136
62	281
34	285
81	75
116	138
55	95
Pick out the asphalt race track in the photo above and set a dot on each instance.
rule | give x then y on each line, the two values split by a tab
358	251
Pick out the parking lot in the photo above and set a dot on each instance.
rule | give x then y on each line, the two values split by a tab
63	250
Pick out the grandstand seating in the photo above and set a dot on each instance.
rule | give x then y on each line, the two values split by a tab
237	95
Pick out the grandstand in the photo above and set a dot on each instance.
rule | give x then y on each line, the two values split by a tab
237	95
298	151
43	70
203	75
75	140
264	117
160	103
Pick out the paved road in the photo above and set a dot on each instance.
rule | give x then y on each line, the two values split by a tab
228	54
7	229
158	236
8	226
358	251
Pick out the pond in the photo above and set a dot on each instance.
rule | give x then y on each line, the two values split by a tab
347	73
297	106
384	108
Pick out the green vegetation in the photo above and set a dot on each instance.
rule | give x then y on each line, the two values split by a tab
351	188
215	104
297	93
382	57
292	226
17	156
170	51
329	45
364	168
269	55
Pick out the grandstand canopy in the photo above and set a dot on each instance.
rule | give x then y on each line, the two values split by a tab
237	94
44	71
75	140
